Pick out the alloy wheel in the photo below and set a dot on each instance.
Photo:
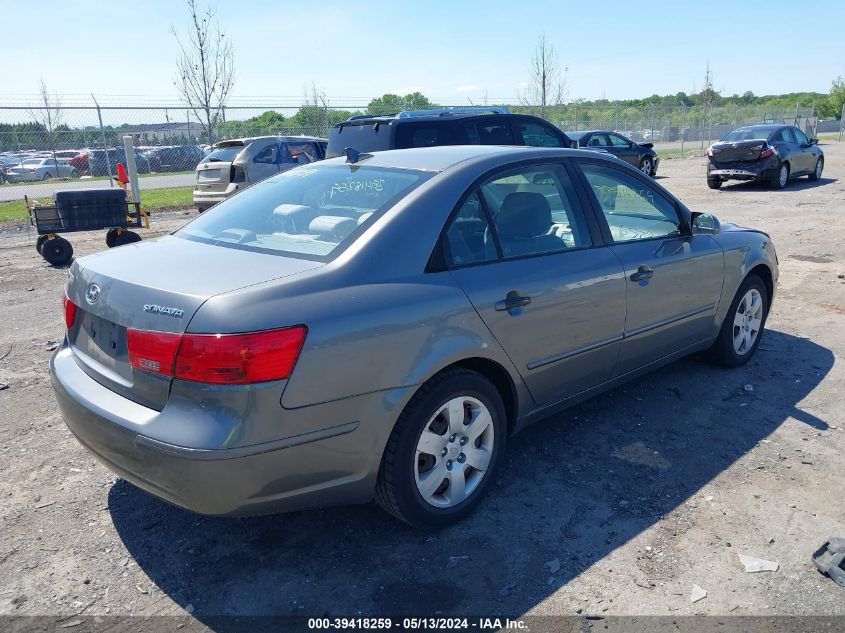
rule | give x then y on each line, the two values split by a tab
747	322
819	167
645	166
453	452
783	175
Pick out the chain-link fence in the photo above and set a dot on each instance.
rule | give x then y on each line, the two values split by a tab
43	150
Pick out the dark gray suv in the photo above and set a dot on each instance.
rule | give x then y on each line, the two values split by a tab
443	126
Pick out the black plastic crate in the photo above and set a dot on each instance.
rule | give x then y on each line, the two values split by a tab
91	209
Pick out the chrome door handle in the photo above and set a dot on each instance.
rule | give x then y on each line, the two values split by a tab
512	302
643	272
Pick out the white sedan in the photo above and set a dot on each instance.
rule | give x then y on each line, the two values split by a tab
41	169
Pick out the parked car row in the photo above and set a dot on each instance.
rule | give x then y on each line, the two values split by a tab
17	166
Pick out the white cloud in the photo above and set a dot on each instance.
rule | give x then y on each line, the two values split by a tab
466	88
406	91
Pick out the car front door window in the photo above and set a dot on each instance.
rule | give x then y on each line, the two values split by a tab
632	209
537	135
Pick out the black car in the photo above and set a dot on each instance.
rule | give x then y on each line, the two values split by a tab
443	126
765	153
99	166
174	158
640	155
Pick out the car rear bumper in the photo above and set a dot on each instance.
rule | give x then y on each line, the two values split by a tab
335	464
759	170
205	199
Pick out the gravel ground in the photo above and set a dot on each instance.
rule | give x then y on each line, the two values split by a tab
619	506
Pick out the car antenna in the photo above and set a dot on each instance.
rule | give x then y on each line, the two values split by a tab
354	156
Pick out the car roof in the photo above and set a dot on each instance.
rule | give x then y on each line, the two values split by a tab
436	114
237	142
442	157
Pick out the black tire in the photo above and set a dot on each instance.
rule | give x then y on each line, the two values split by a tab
647	165
202	209
127	237
722	351
396	488
40	242
111	236
817	170
714	183
46	176
57	251
775	180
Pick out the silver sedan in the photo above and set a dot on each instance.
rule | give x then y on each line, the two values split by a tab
41	169
379	326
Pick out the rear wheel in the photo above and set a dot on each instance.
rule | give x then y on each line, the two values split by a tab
40	242
111	236
443	452
817	172
646	165
57	251
127	237
743	326
714	183
780	177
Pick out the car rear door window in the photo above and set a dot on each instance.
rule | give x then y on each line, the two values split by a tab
535	210
537	135
300	153
468	236
633	210
423	135
268	155
598	140
494	133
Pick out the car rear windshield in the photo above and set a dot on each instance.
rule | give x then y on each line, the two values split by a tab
224	154
307	212
749	134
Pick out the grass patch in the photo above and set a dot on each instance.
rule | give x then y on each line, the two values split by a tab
153	174
664	154
153	200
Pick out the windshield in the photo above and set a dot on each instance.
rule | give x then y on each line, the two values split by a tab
308	212
224	154
749	134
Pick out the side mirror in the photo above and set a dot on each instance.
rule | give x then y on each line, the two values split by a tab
814	141
705	224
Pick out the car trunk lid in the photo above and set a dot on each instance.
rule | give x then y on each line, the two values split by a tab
154	286
737	151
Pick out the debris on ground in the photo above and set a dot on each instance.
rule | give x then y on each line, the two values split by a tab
697	593
754	565
830	560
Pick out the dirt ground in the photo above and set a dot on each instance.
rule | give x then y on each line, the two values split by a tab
619	506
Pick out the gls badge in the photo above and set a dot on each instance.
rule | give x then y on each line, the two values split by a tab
174	312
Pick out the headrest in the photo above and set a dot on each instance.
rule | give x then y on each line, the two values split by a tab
524	214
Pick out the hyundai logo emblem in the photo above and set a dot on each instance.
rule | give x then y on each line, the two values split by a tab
92	294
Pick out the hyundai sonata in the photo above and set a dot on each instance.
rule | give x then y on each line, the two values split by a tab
377	326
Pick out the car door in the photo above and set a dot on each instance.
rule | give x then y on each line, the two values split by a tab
624	149
265	161
532	264
804	150
674	279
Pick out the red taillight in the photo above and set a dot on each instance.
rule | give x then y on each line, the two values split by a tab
769	151
218	358
70	312
152	351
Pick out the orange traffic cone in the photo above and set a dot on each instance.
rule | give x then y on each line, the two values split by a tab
122	177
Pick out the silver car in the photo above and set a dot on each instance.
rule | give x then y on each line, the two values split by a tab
236	164
378	326
41	169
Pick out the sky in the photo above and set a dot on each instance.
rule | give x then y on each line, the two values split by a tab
454	52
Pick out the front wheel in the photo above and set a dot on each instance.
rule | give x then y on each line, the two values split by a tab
714	183
39	242
126	237
46	176
817	172
646	166
443	452
743	326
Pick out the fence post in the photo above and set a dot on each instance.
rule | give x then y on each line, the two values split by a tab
841	121
225	127
653	106
683	127
105	147
576	115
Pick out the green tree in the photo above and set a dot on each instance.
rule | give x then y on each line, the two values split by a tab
833	105
389	103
